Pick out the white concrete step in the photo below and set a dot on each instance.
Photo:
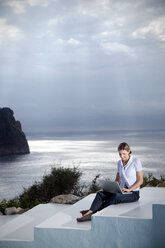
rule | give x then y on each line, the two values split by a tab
21	227
4	219
138	224
141	209
67	217
122	225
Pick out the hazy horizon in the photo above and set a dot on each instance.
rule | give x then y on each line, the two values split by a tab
83	65
92	154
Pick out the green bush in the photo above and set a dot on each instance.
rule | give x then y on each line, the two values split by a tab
25	202
59	181
150	180
7	204
94	187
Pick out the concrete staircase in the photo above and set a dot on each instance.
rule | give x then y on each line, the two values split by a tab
138	224
18	230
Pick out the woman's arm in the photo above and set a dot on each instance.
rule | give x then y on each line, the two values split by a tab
118	179
138	182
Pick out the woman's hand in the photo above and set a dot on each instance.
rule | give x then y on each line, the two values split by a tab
125	190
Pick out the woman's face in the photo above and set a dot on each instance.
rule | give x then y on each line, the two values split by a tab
124	155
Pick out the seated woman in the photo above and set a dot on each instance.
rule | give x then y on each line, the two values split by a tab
129	176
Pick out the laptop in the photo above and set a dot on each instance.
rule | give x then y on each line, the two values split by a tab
111	186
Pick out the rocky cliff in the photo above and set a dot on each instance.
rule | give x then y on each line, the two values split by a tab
12	138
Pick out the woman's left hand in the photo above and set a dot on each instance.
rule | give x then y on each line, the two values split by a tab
125	190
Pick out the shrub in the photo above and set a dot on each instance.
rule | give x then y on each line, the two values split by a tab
59	181
150	180
7	204
94	187
26	202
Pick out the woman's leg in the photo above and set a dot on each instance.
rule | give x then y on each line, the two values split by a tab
104	199
96	205
99	200
120	198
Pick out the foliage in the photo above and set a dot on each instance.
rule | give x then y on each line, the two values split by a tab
150	180
25	202
94	187
59	181
7	204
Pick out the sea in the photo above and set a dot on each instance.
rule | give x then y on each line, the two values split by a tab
94	153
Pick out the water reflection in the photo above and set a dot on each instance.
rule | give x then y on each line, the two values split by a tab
95	156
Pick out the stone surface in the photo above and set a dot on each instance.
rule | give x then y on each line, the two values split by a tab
1	213
161	184
122	225
21	210
20	228
12	138
11	210
65	199
14	210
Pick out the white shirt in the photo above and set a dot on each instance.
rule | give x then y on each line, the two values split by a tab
128	173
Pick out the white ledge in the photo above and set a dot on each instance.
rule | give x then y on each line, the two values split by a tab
55	225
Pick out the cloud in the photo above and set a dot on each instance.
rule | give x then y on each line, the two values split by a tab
70	41
93	8
17	6
8	31
83	53
112	35
114	47
155	28
52	22
43	3
101	35
116	21
124	5
20	7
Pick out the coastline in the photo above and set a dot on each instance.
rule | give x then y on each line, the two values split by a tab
93	154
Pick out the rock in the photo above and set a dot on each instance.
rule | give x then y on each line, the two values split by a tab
1	213
14	210
148	185
65	199
161	184
22	210
19	210
12	138
11	210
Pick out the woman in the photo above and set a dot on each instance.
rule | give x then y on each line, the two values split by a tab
129	176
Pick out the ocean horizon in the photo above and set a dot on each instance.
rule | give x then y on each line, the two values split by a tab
92	152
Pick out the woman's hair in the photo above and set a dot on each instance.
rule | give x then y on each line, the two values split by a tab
124	146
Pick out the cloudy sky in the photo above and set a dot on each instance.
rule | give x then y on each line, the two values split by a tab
83	65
